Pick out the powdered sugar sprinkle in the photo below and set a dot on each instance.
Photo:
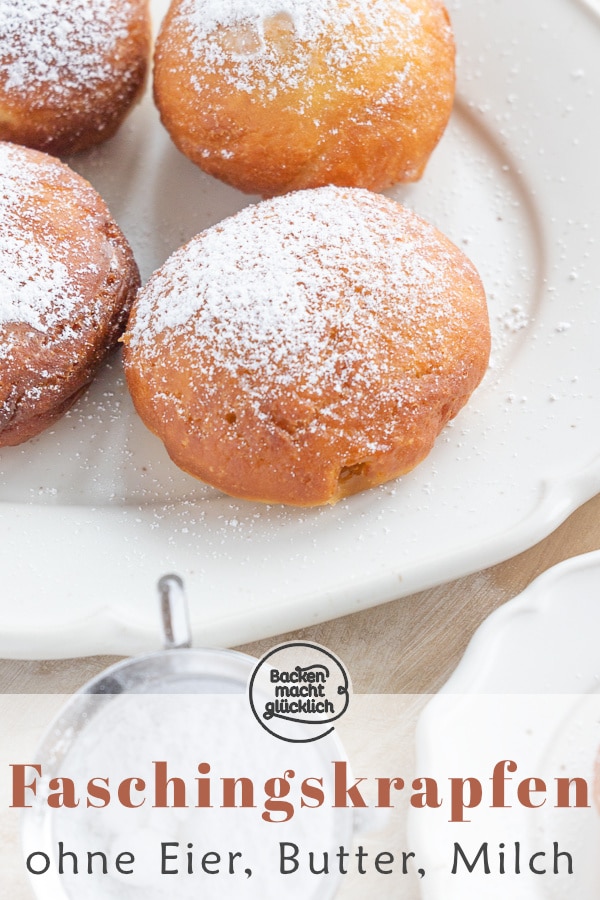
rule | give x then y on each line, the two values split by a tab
304	289
36	287
59	46
354	31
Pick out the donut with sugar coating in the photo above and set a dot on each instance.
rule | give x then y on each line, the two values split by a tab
272	96
70	70
67	279
308	347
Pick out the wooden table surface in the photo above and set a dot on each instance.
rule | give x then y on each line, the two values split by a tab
409	646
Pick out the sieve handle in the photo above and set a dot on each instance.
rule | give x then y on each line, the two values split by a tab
174	613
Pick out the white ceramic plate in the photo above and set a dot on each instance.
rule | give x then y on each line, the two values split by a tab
93	512
527	689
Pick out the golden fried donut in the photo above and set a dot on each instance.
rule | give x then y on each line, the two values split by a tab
70	70
277	95
308	347
67	279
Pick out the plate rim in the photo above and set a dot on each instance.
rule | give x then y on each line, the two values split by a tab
469	677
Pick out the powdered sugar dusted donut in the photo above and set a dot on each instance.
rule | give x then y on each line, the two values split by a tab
308	347
70	69
67	279
276	95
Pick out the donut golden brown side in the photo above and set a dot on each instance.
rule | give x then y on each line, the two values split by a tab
272	97
70	71
67	280
308	347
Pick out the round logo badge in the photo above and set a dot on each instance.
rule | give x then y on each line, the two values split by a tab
298	691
